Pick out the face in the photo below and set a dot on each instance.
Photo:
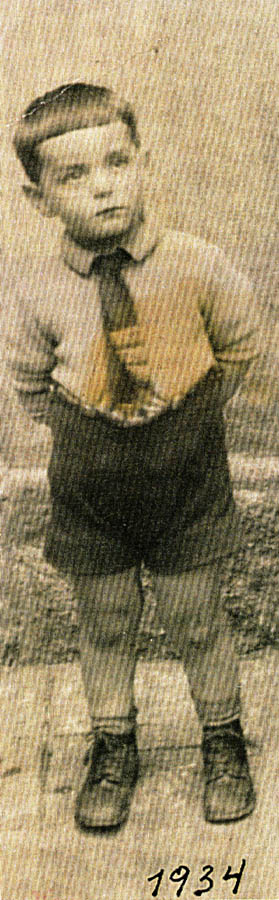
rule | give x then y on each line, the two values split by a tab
92	179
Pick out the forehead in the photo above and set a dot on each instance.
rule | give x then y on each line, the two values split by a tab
86	144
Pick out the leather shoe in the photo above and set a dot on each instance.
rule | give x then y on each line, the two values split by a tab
229	793
105	796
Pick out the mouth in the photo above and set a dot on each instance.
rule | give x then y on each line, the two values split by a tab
110	211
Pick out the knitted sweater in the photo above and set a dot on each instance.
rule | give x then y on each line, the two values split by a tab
195	312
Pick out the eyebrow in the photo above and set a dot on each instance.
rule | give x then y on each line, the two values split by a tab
116	155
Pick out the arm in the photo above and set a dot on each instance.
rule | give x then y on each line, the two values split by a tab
29	351
231	321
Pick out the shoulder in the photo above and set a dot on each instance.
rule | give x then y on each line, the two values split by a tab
29	280
186	240
205	262
189	251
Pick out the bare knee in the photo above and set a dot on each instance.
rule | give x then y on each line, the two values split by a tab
190	607
107	613
108	626
202	639
190	632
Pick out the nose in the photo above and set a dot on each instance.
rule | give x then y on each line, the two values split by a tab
102	184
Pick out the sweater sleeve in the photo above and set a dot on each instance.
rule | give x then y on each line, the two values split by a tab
231	320
29	352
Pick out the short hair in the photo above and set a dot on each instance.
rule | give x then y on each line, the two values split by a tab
67	108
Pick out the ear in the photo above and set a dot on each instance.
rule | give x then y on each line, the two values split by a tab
38	200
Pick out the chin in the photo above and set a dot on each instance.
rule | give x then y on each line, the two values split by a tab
109	232
99	230
103	233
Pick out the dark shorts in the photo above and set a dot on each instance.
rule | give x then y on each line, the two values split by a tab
159	493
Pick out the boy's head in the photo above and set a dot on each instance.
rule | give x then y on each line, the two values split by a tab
80	149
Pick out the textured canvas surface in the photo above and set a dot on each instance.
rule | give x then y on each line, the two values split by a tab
203	77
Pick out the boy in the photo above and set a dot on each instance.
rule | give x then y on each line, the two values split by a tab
127	345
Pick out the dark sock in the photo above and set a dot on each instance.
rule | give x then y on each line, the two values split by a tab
233	726
115	725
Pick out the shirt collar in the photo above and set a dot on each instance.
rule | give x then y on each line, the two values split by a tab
139	246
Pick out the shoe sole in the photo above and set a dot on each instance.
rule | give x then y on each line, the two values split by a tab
100	825
236	818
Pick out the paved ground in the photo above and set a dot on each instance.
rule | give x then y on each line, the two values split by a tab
45	857
42	739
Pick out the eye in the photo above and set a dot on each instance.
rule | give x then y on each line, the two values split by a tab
73	174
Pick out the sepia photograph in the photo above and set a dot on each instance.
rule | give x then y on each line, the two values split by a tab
139	450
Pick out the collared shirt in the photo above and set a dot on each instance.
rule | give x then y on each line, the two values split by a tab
54	312
139	246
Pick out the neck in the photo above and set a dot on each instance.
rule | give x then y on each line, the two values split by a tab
109	244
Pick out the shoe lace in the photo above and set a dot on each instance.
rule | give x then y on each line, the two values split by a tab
106	756
223	755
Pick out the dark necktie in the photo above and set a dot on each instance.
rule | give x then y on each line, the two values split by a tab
127	364
117	305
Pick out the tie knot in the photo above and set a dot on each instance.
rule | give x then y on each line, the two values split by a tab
111	263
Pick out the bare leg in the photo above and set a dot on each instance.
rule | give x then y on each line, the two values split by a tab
191	609
109	610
